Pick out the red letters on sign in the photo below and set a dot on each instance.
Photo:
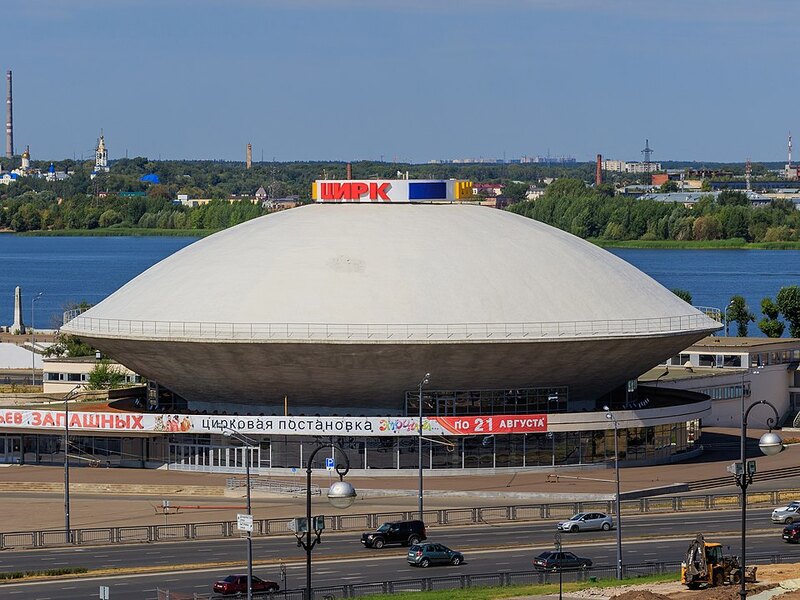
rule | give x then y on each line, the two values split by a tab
378	191
354	191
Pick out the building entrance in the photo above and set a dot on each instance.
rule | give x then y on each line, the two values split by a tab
216	459
11	449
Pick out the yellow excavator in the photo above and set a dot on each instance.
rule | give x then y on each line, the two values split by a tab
706	566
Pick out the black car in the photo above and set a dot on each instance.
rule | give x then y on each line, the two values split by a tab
406	533
791	533
552	560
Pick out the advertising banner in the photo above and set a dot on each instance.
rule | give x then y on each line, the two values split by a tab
49	420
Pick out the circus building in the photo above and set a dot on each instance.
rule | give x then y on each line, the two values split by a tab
325	320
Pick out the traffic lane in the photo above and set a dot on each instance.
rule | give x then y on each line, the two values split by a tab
266	549
285	547
390	567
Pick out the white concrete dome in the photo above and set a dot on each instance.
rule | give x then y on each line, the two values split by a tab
391	264
343	306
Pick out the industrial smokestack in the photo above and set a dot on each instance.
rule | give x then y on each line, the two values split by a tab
349	171
249	160
598	171
9	119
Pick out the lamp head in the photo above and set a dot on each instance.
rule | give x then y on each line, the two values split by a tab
341	494
771	443
605	408
227	432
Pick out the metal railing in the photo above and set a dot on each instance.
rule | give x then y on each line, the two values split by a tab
459	581
135	534
273	486
192	330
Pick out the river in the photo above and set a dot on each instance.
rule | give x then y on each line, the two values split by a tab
71	269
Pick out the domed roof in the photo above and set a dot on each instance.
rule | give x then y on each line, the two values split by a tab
407	264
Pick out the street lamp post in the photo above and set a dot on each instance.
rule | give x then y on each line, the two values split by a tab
341	495
249	444
557	543
33	338
611	417
727	322
770	444
67	397
424	381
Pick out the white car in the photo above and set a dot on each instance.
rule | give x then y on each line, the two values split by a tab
586	522
787	514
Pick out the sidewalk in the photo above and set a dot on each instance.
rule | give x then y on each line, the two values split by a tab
102	497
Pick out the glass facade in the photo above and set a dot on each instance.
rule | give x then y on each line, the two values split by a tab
216	453
489	402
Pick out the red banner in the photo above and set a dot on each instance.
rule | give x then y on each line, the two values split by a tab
494	424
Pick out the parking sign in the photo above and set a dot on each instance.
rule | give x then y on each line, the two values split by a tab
329	464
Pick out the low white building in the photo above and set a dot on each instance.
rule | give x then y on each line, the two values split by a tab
737	372
63	374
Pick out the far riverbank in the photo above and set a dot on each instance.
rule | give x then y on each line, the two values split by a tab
729	244
117	232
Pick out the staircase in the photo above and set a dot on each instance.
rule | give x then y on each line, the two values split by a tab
728	480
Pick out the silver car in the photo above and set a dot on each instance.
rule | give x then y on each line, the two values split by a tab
787	514
586	522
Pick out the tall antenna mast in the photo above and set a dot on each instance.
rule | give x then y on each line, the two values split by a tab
748	169
790	148
648	151
9	118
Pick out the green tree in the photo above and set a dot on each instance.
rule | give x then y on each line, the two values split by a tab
738	312
515	191
706	228
105	376
668	186
684	295
731	198
108	218
788	303
770	326
68	345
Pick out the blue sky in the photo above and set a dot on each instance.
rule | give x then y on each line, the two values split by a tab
411	80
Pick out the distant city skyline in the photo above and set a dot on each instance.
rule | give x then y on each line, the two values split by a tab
403	80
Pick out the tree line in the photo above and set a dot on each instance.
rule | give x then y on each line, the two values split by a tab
596	213
786	305
80	202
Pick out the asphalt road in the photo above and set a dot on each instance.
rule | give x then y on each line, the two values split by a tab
341	559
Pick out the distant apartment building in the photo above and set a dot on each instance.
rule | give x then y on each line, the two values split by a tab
621	166
549	160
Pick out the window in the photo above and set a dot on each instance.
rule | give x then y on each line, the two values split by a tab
731	360
708	360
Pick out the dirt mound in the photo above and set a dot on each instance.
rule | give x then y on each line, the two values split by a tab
640	595
726	592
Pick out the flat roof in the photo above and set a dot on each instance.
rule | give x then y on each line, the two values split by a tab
79	359
675	373
742	344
